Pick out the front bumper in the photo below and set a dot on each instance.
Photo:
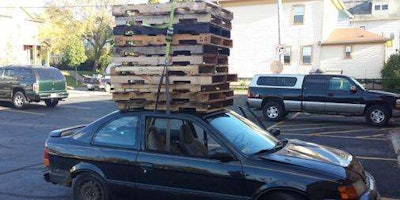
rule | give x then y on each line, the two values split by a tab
372	192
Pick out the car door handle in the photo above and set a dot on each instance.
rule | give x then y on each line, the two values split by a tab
145	166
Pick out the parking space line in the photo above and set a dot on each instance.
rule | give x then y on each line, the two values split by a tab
349	131
371	136
281	122
76	107
334	136
297	125
24	112
375	158
311	128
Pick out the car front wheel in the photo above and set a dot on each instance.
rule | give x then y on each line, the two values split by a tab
51	102
377	115
19	100
88	186
273	111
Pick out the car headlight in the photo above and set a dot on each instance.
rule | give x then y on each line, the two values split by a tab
352	191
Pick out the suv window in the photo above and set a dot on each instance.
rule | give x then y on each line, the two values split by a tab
49	74
186	138
9	74
120	132
339	83
24	73
315	83
277	81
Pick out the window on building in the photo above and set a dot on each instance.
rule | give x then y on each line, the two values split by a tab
347	51
362	27
287	55
298	14
306	54
377	7
385	7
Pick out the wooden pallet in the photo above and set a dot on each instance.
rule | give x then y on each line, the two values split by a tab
175	60
172	88
196	80
177	39
193	29
186	50
190	70
204	97
165	9
183	19
176	106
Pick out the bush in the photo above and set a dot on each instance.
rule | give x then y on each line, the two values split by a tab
391	73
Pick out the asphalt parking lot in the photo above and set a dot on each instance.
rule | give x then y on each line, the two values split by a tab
23	133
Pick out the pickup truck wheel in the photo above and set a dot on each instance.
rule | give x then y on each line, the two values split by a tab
51	102
88	186
377	115
19	100
273	111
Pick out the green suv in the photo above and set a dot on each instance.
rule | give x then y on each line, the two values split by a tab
24	84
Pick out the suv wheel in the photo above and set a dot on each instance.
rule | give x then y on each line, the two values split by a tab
51	102
89	186
377	115
273	111
19	100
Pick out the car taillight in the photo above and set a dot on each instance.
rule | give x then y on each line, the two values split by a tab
353	191
46	161
249	94
36	87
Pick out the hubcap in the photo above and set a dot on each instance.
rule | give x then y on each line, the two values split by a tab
90	190
377	116
18	100
272	112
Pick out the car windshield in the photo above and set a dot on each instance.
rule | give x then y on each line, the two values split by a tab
242	133
357	83
49	74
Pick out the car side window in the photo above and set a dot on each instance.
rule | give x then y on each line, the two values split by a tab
9	74
24	74
339	84
317	83
186	138
120	132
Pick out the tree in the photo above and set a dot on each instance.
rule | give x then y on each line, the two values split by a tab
391	73
74	52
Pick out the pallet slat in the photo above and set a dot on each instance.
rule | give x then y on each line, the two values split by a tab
204	97
175	50
177	39
173	88
193	29
173	70
163	9
175	60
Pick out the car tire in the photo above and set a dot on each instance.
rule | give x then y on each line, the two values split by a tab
51	103
273	111
19	100
107	88
283	196
87	186
377	115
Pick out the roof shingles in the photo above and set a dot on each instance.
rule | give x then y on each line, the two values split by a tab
353	36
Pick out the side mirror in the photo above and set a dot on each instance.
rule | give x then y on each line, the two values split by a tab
275	131
353	89
220	154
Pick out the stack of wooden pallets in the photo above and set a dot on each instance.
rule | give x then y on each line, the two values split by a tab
198	71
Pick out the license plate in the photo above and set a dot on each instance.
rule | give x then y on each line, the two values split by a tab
53	95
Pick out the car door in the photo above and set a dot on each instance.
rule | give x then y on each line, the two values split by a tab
174	172
116	143
314	93
9	82
341	99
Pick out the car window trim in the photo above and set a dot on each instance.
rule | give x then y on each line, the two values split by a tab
200	123
116	146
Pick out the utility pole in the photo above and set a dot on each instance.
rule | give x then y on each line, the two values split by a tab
279	4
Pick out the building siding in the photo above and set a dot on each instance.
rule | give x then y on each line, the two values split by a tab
366	62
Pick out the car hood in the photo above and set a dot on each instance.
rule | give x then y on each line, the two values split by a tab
317	157
382	93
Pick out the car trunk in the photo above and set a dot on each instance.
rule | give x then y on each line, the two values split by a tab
50	80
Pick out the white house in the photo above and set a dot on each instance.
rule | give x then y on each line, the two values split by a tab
381	17
306	26
20	42
355	52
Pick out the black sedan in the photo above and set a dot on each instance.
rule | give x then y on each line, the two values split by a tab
148	155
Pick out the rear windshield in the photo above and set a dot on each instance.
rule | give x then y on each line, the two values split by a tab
49	74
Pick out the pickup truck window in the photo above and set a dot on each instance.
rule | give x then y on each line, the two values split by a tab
317	83
277	81
339	84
